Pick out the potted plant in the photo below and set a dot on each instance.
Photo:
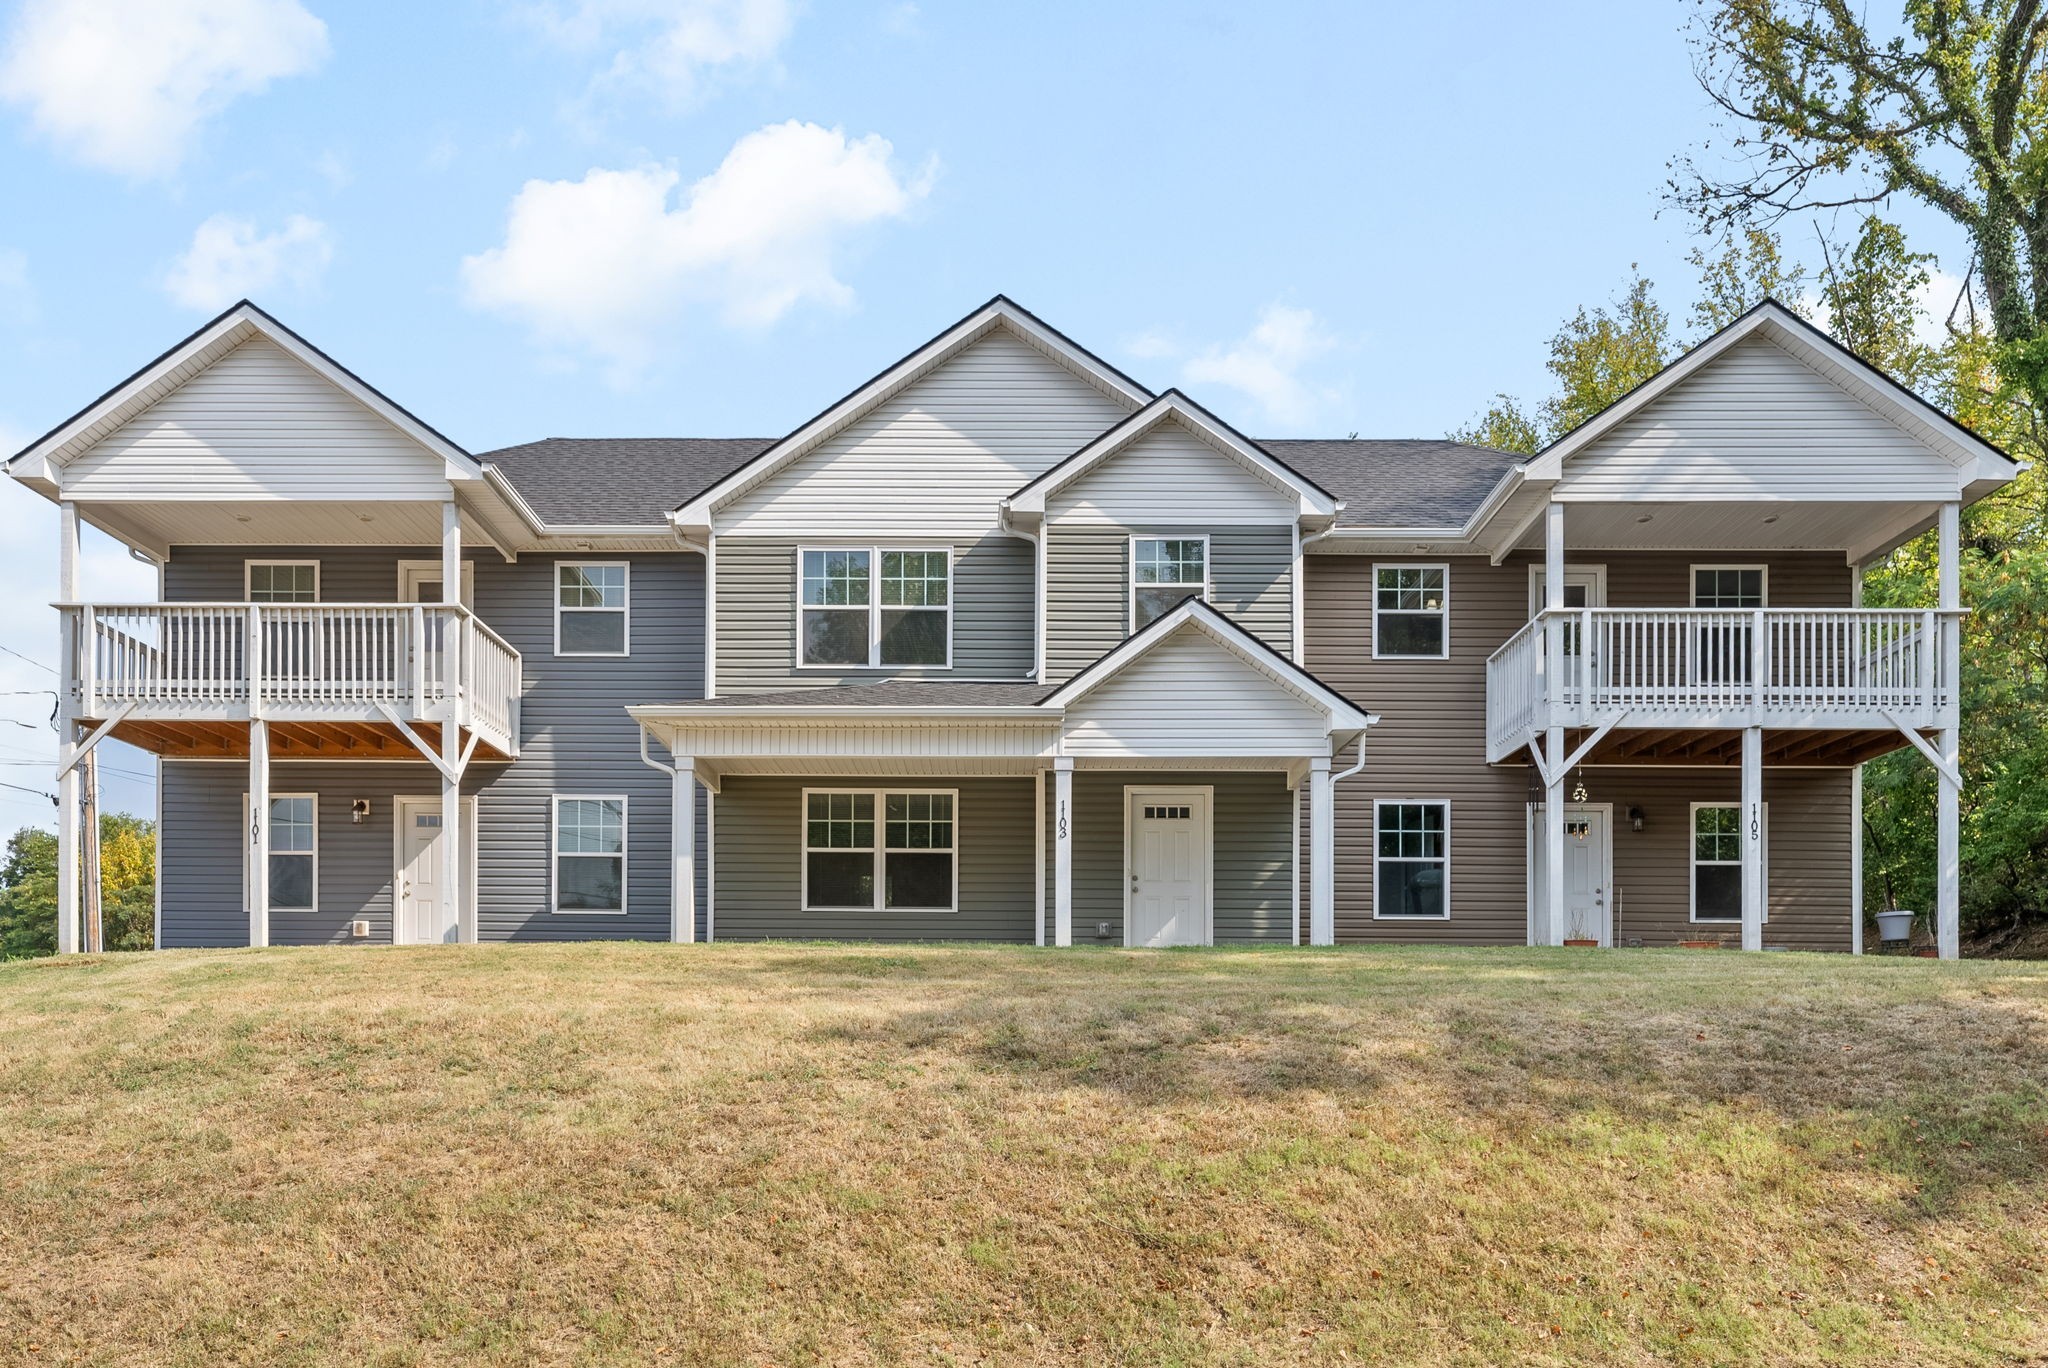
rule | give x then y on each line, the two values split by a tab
1579	938
1700	943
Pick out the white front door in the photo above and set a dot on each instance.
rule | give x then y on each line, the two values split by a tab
1588	872
418	917
1168	860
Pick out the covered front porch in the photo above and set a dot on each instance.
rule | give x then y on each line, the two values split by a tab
1153	799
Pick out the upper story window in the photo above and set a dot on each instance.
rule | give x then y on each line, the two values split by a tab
1165	570
1411	612
1728	586
590	608
849	619
282	581
1725	652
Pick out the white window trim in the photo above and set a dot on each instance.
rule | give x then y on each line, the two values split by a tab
625	855
1692	586
1378	859
1692	863
1131	623
1378	566
268	851
248	578
1593	576
624	610
881	848
412	572
876	551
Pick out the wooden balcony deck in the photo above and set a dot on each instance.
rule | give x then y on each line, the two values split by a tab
1662	685
332	680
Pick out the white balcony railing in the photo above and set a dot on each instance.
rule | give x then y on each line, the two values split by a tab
1809	668
311	662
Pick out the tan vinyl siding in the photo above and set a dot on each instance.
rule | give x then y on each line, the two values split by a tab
1253	876
1431	741
760	859
938	458
992	594
1088	585
1757	423
257	425
1167	474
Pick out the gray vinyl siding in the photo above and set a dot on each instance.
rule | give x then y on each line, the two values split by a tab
1252	872
575	738
992	595
1088	586
760	857
1431	745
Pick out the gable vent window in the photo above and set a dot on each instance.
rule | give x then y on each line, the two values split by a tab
1165	570
850	616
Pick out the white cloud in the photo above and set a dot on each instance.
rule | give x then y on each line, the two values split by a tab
125	86
1941	295
229	259
607	262
669	50
1267	364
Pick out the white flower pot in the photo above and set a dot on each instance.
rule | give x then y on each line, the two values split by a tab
1895	926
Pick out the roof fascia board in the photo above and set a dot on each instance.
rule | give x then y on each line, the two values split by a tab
840	714
1343	713
1000	311
1314	500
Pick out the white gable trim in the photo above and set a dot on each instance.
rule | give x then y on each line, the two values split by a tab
44	458
1975	458
1343	715
998	312
1314	500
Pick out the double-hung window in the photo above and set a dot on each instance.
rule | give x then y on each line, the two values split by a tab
590	854
1726	649
849	615
1165	570
1411	873
293	837
282	581
1411	612
591	608
1717	861
878	850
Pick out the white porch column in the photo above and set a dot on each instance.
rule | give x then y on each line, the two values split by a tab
682	846
259	832
1948	874
1752	816
1856	811
1552	927
451	553
1063	850
1322	853
69	792
456	908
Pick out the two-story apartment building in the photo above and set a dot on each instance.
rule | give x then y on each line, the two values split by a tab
1004	645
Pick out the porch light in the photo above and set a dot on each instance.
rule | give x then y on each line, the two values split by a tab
1644	517
1768	521
359	811
1635	817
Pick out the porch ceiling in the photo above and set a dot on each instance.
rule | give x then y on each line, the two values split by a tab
1713	746
195	740
159	525
1860	528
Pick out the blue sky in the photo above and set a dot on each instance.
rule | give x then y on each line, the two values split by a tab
712	217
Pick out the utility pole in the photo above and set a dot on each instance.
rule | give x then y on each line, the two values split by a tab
89	768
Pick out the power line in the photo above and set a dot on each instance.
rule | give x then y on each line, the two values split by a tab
37	792
37	663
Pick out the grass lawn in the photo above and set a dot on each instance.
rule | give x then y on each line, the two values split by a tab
827	1154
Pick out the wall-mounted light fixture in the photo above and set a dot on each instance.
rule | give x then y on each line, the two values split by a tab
359	811
1635	817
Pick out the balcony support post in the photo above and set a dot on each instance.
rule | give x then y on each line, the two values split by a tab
1322	853
1063	850
458	910
1947	703
259	832
1551	926
1752	818
70	854
1856	810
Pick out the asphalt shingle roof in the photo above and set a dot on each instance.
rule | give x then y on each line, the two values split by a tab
1397	482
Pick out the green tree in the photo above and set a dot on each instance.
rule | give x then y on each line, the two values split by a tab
1749	268
28	888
